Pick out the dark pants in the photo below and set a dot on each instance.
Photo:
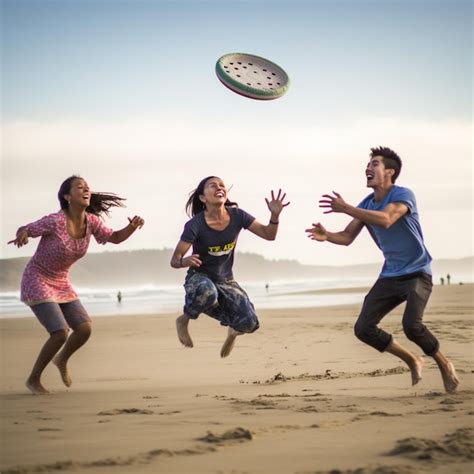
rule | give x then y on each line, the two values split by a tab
385	295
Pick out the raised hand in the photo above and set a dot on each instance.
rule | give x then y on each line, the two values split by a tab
333	203
137	222
276	204
21	238
317	232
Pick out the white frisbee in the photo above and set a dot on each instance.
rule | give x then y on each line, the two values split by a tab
252	76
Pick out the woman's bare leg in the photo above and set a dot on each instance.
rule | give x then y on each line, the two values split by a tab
77	339
50	348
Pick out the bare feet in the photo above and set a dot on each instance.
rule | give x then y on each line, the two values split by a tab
229	342
182	328
35	387
450	379
416	368
63	370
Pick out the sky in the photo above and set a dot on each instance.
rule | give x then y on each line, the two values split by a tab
124	93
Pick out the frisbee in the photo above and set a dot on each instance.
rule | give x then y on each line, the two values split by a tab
252	76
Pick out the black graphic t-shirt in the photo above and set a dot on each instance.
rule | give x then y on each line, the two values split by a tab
216	247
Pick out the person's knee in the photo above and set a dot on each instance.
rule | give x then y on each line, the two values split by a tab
60	335
360	330
84	330
206	295
413	331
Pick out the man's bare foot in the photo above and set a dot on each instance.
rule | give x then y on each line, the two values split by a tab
35	387
416	368
63	370
229	342
450	379
182	328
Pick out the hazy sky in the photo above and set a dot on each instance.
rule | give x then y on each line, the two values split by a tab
124	93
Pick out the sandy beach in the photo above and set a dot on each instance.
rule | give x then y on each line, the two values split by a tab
302	395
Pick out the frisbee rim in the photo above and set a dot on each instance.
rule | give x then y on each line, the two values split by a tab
249	91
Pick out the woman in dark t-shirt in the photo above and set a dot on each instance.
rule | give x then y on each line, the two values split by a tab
210	286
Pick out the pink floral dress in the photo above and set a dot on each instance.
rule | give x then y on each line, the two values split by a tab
45	278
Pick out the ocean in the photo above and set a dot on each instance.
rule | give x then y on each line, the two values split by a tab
156	299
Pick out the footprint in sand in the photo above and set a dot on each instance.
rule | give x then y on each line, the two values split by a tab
126	411
231	436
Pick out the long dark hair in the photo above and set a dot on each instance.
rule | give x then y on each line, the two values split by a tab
100	203
194	205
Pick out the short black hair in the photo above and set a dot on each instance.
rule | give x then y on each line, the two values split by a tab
390	159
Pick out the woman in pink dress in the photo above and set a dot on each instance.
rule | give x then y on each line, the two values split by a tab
45	285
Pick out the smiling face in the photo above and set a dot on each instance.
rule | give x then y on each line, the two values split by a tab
215	192
79	193
376	173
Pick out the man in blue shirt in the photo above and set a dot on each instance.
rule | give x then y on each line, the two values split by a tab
391	217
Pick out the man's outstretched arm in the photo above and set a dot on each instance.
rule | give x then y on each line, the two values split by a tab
385	218
344	237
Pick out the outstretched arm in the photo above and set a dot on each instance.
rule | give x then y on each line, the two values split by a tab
275	206
384	218
123	234
345	237
178	260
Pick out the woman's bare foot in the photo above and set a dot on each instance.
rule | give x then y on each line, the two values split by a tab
450	379
416	368
229	342
63	370
35	387
182	329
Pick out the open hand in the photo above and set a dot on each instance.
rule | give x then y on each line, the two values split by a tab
317	232
276	204
333	203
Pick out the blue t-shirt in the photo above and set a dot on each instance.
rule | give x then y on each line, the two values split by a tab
216	247
402	243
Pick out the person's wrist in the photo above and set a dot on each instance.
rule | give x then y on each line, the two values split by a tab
274	222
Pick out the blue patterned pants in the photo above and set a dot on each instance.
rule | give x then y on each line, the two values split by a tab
225	301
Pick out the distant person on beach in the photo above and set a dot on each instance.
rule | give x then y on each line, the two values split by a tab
119	296
448	279
391	217
441	280
45	285
209	285
267	286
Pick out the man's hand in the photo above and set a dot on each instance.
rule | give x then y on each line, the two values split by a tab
333	203
317	232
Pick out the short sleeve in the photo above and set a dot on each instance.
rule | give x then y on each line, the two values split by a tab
364	203
405	196
44	226
99	230
190	231
246	218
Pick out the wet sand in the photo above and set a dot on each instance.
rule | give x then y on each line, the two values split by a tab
302	395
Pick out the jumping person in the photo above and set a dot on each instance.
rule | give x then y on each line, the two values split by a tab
209	285
391	216
45	285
